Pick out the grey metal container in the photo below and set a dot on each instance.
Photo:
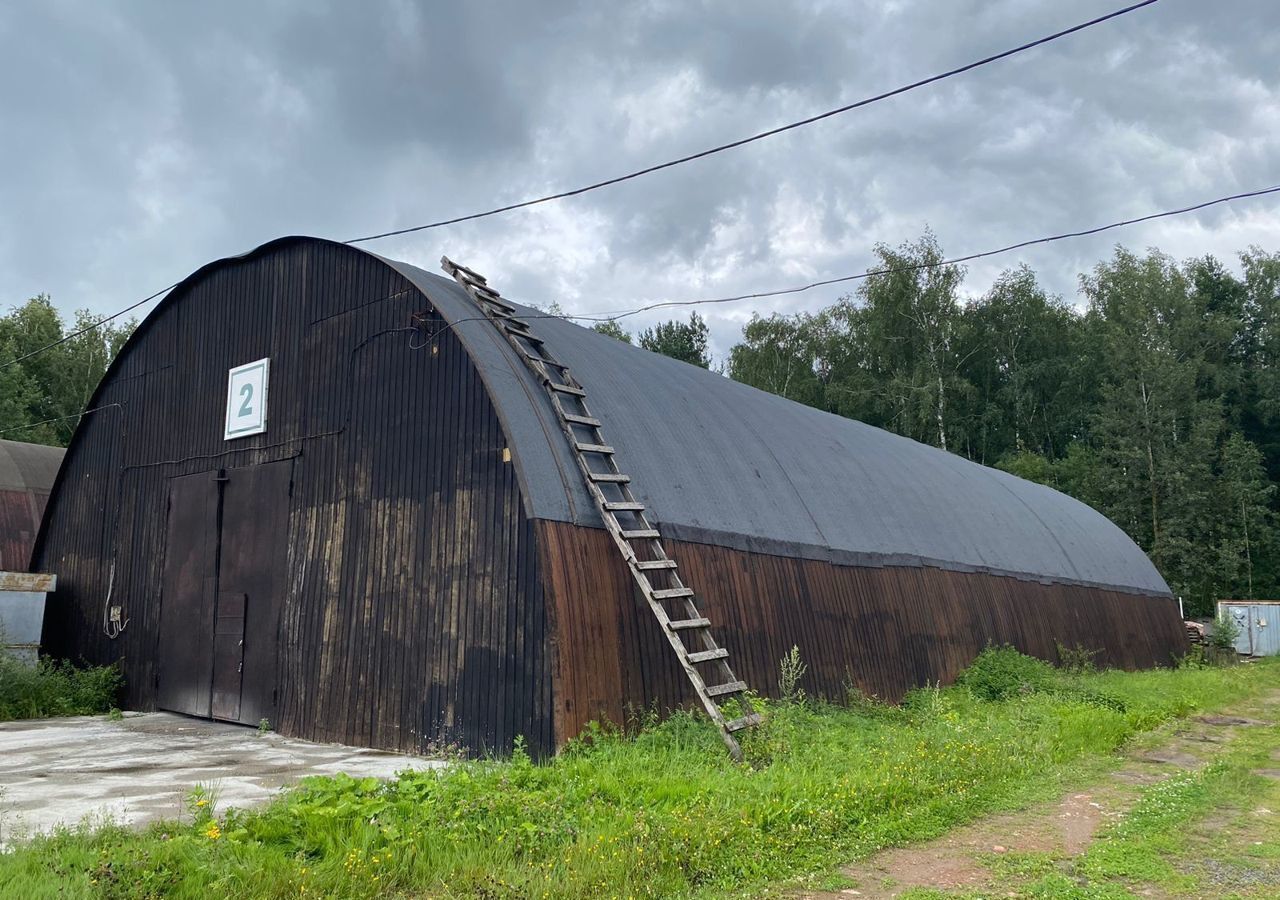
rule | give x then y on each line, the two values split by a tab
22	599
1259	624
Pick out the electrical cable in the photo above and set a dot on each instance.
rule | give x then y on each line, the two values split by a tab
955	260
88	328
711	151
867	101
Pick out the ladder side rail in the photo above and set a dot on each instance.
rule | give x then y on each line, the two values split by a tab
560	384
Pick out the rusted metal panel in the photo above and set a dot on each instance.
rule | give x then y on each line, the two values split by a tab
27	472
411	612
881	630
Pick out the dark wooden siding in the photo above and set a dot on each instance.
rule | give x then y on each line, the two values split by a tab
412	612
881	630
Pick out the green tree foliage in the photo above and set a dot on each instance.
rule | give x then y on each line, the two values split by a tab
611	328
686	341
41	397
1158	403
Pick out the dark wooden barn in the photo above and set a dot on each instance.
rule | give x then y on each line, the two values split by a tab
399	549
27	472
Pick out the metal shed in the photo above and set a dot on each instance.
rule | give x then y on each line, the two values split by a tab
1259	624
27	472
403	551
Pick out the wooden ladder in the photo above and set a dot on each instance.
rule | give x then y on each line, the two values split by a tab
636	538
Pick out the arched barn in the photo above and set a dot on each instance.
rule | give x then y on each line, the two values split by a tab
27	472
399	549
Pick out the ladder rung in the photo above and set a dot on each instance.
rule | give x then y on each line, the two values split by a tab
708	655
744	722
504	309
615	477
472	274
732	687
556	379
566	389
492	296
686	624
581	420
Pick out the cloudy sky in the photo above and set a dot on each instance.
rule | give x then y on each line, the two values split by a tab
144	139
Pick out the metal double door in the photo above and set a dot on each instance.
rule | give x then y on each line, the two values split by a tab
221	593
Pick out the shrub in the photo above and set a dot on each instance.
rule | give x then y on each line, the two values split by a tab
1077	660
55	689
999	673
1224	633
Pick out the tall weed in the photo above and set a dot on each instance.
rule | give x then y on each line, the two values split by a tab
53	688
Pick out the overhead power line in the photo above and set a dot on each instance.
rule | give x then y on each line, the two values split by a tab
956	260
889	270
86	329
711	151
867	101
760	295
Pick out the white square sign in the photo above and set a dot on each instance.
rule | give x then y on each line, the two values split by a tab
247	399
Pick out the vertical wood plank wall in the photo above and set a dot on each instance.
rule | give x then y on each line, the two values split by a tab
413	613
882	630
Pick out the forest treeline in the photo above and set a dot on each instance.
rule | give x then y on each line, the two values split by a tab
1157	402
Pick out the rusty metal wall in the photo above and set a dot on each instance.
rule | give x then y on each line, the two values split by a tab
412	614
882	630
27	472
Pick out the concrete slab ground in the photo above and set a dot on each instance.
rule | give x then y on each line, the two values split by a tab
140	768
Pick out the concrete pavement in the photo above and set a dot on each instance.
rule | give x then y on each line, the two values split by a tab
140	768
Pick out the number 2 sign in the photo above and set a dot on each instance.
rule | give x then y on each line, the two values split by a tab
247	400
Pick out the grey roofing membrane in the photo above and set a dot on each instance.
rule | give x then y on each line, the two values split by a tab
719	462
28	467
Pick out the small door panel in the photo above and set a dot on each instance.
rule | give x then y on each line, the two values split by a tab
252	563
228	655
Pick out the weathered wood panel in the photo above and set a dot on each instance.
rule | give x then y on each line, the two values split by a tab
879	630
412	611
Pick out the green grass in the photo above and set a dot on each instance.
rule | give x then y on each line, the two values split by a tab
1162	843
662	813
54	689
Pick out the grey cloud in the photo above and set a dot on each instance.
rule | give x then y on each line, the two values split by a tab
143	140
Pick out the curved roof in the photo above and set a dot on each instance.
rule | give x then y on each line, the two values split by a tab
719	462
28	467
27	473
716	461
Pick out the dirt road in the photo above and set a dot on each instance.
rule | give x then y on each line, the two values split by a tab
1193	810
